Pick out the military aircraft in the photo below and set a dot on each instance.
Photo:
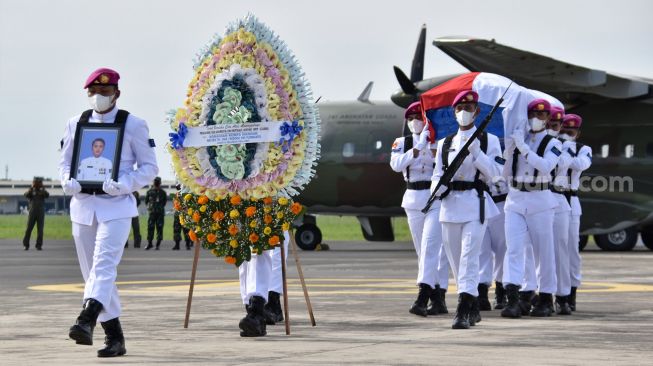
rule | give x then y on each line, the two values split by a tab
354	178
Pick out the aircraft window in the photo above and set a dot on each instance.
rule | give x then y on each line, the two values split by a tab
605	150
629	151
379	145
348	150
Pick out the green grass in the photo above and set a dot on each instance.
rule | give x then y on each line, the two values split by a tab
57	227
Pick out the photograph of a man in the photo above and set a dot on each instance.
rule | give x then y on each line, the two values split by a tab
95	167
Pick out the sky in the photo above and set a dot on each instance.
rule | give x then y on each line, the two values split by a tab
48	48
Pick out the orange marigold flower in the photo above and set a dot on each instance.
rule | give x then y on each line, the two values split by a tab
267	219
296	208
253	237
203	200
235	200
274	240
267	200
218	215
192	235
196	216
233	229
230	260
250	211
211	238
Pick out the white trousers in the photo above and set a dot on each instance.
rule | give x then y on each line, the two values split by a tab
429	256
561	242
530	270
255	277
575	262
276	283
99	250
462	242
443	268
536	229
493	249
416	226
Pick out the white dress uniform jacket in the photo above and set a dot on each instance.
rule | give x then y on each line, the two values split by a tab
136	150
414	169
580	162
94	169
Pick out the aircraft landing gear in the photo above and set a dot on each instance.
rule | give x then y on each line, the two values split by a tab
618	241
582	242
647	236
308	235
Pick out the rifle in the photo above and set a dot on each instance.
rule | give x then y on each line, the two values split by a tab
448	174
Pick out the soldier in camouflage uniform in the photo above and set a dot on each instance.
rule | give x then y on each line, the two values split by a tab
177	229
155	199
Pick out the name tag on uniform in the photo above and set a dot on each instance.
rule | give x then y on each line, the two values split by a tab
500	160
555	151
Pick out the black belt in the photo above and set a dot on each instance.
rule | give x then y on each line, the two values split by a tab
530	187
558	190
499	198
568	193
95	191
419	186
477	185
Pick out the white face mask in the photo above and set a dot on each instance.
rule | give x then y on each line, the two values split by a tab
464	118
100	103
415	125
537	124
566	137
551	132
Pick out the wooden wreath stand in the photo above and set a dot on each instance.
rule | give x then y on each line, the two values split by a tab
293	247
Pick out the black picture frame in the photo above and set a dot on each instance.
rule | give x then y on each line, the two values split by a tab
92	173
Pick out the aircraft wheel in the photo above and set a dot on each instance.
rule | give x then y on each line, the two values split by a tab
582	242
618	241
308	236
647	236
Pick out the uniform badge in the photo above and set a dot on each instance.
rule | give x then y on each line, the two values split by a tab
151	141
500	160
104	78
555	151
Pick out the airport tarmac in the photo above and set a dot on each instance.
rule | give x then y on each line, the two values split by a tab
360	291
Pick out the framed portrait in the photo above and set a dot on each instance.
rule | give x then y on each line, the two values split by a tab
96	154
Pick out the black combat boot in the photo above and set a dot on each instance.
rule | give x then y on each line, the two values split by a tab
149	245
544	305
82	331
274	306
189	244
434	307
176	247
114	340
572	299
443	301
499	296
461	318
419	306
474	312
137	242
483	301
512	309
562	305
158	244
526	299
253	324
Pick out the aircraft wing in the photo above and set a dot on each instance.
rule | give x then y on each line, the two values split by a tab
539	72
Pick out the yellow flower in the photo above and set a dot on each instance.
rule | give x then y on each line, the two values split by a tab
283	201
188	197
267	209
203	208
190	211
233	243
279	215
234	214
253	224
215	226
267	230
285	226
214	252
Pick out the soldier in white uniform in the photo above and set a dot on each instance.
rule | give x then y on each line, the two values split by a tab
581	161
96	167
101	218
529	209
412	156
466	204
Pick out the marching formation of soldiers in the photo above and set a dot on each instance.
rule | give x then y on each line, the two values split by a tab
511	216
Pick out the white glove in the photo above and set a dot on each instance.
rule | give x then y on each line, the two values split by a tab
423	139
71	187
114	188
475	148
518	138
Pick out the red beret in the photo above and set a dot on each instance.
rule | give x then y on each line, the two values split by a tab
465	96
414	108
557	113
102	76
539	105
572	121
